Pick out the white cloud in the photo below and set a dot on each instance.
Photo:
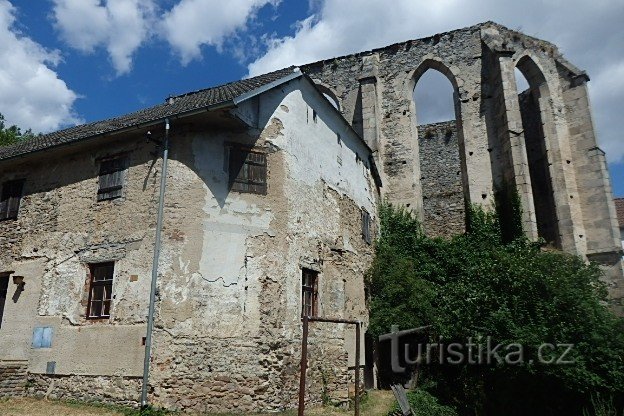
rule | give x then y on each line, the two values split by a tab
193	23
591	34
31	93
607	93
120	26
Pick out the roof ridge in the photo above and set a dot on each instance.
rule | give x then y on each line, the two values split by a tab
230	83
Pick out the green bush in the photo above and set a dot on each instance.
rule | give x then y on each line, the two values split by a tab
425	404
479	285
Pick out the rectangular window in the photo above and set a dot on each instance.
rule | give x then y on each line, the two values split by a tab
366	226
309	292
100	290
4	290
111	178
248	170
10	199
42	337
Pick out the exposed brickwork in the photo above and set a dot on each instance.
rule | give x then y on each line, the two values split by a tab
13	378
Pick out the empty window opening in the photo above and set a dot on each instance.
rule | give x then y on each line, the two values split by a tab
10	199
4	289
100	290
433	96
329	95
111	178
531	100
248	170
521	82
332	101
309	292
440	151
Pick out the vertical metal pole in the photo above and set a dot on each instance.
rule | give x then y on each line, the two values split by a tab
159	222
357	369
304	366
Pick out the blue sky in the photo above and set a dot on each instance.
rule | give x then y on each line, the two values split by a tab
71	61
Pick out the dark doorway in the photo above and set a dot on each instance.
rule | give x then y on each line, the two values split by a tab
4	288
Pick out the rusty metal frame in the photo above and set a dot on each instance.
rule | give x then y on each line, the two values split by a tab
304	358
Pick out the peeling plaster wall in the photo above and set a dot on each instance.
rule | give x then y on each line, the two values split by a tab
228	323
62	228
229	327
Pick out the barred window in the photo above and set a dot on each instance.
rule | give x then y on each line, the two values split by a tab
100	290
111	178
10	199
309	291
248	170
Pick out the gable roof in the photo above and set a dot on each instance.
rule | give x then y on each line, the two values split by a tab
221	95
619	208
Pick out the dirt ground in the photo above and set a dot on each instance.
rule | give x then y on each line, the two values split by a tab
378	403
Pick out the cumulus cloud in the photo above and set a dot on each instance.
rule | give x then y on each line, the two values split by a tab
589	33
193	23
119	26
31	93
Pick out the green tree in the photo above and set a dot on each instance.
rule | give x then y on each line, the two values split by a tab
13	134
479	285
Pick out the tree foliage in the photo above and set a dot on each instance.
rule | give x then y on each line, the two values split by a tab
480	285
12	134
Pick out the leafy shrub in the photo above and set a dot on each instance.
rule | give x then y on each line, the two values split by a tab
424	404
479	285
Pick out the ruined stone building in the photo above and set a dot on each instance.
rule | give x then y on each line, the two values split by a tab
271	209
540	141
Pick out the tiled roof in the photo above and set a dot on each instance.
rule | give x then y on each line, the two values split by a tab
180	104
619	207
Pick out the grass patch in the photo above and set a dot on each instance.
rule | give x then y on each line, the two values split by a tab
375	403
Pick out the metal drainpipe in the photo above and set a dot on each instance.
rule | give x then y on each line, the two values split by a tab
159	222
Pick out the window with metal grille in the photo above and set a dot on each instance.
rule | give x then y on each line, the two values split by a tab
10	199
248	170
111	178
100	290
4	289
309	292
366	226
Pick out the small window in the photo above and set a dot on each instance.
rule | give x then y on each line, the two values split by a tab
366	226
100	290
111	178
309	292
42	337
10	200
4	289
248	170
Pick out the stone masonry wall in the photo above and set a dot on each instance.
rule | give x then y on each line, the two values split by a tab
115	390
441	179
13	378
